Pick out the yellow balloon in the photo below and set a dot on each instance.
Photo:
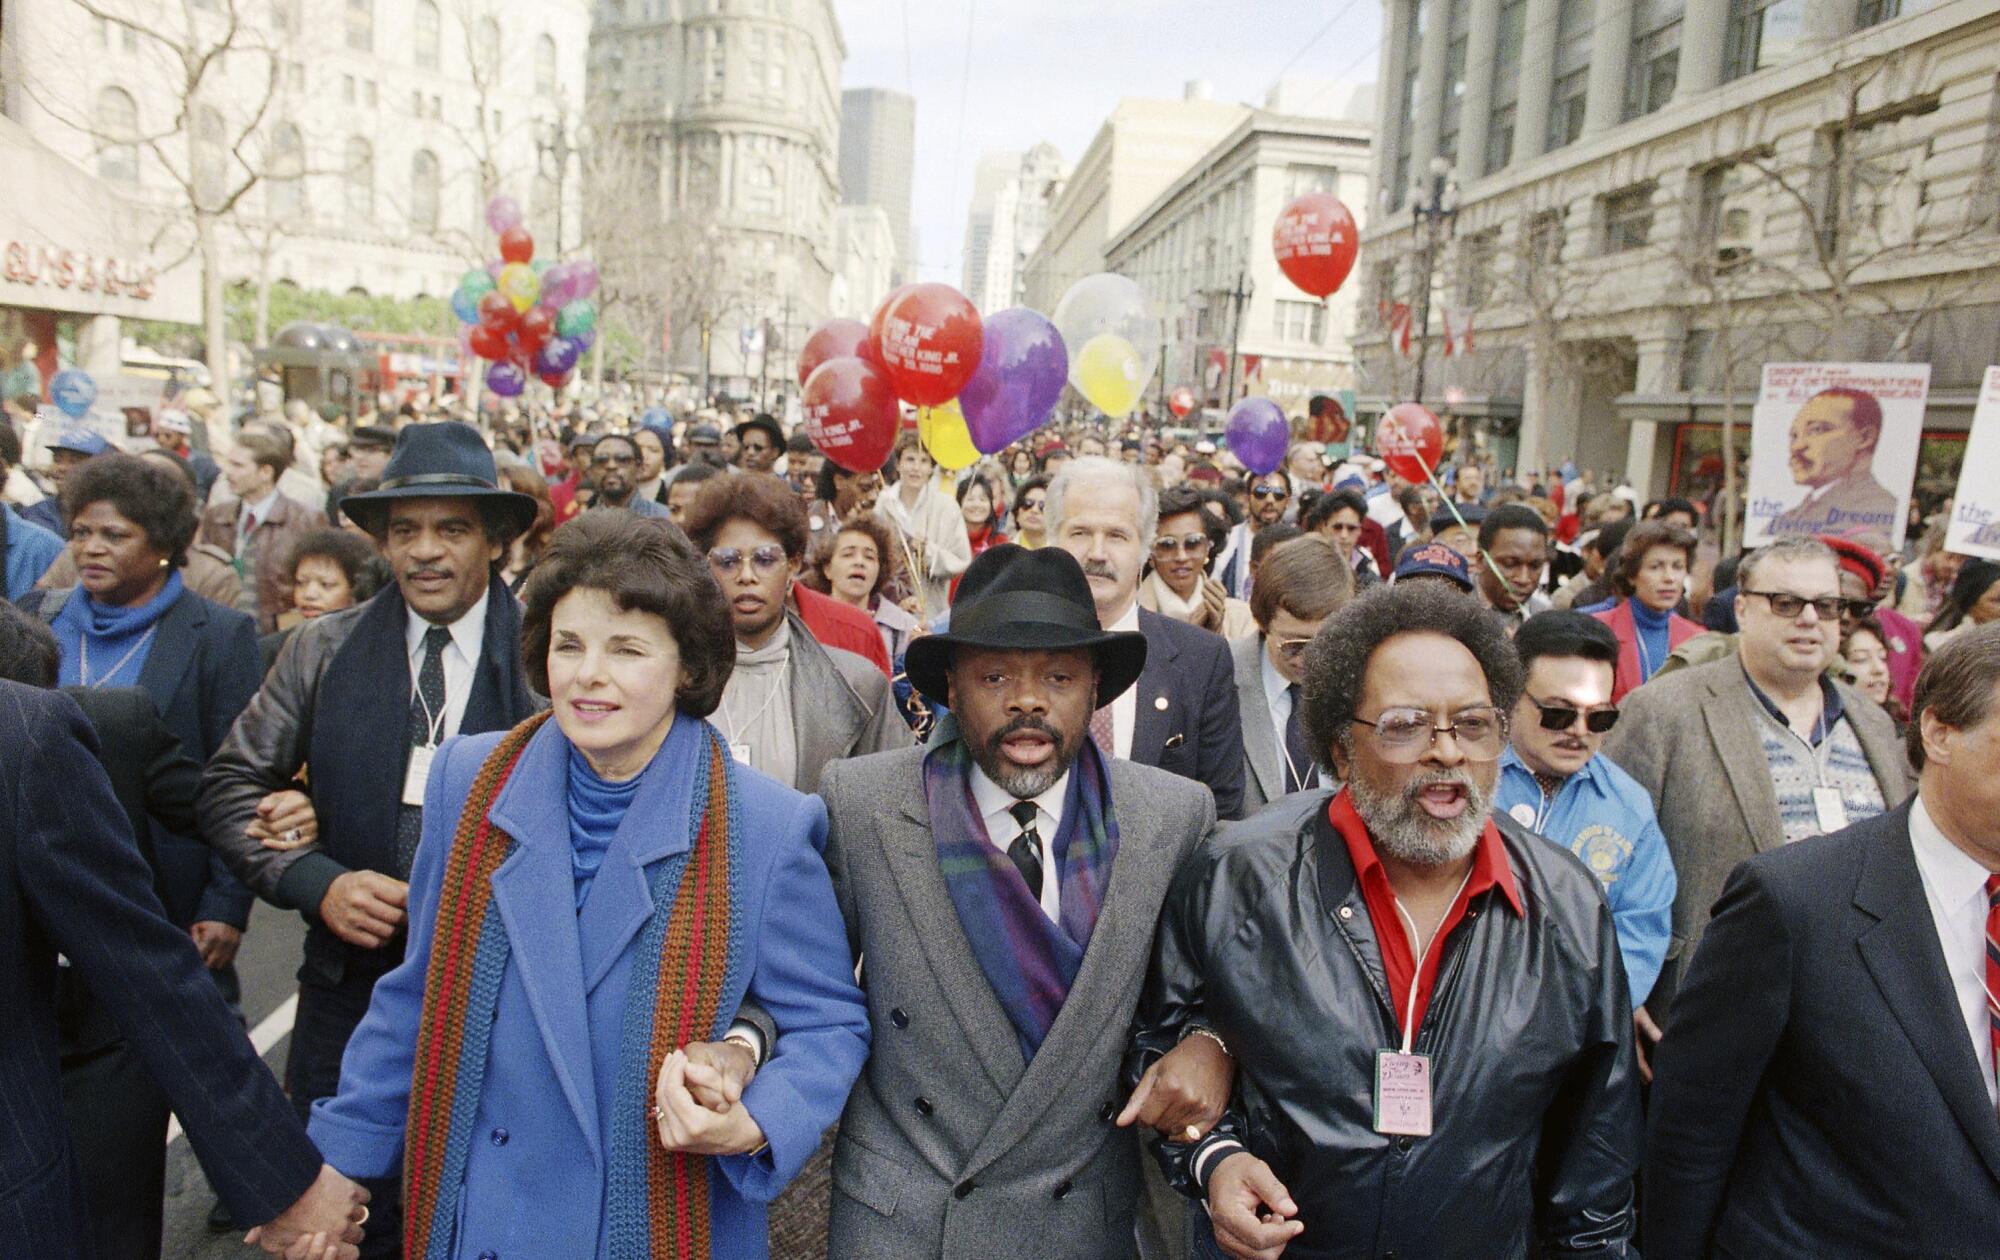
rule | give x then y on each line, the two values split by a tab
943	432
1110	374
520	283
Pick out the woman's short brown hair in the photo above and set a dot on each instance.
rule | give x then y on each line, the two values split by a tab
1643	537
143	491
888	559
644	564
760	498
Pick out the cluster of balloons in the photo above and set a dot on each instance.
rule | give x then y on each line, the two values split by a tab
525	315
73	392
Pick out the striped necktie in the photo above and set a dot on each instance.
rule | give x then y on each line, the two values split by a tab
1993	964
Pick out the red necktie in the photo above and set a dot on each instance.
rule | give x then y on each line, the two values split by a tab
1993	963
1103	732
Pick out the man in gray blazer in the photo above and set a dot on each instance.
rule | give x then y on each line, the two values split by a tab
1301	584
1001	887
1761	748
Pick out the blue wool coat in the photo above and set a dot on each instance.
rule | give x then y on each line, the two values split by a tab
536	1178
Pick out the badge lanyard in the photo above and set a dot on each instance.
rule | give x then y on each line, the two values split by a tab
83	657
735	727
1403	1095
433	723
1417	972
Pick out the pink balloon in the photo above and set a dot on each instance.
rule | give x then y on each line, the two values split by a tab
503	213
584	277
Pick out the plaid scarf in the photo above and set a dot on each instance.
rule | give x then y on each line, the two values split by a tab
1030	961
688	954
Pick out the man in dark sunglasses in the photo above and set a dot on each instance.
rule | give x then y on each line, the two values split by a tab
613	472
1554	782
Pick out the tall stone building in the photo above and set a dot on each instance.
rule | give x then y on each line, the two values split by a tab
713	180
878	148
1011	197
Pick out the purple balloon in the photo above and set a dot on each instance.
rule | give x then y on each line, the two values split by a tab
503	212
557	282
1022	367
1258	434
557	355
583	278
584	340
506	380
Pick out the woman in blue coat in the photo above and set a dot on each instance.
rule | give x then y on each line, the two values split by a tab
595	894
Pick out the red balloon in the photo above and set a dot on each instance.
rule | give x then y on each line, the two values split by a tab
881	312
1315	240
497	313
835	339
928	338
555	380
487	343
850	413
538	324
1181	401
516	246
1410	441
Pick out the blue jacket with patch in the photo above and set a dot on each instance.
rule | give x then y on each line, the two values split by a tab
1602	815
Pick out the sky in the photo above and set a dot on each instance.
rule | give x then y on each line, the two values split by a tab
1008	74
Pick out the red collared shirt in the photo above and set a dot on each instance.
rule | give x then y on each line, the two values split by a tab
1490	870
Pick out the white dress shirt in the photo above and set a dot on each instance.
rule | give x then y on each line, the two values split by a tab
1125	709
1278	696
996	806
1955	886
468	637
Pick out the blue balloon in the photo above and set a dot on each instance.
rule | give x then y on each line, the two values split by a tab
73	392
465	306
656	418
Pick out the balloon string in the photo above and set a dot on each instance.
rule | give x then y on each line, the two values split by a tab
916	576
1451	507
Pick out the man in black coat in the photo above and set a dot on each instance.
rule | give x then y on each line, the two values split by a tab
1826	1086
1181	715
364	696
72	884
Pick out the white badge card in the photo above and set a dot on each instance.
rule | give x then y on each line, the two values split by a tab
740	753
1832	811
1402	1093
418	775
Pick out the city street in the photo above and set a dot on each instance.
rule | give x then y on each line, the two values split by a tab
267	965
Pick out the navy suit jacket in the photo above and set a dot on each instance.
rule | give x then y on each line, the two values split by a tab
72	882
202	669
1816	1094
1187	721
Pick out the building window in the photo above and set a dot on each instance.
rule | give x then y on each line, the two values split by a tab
359	179
429	26
361	25
1574	25
1761	33
1655	62
545	65
1725	225
1454	79
284	196
116	121
1885	196
1506	87
1545	239
1628	218
761	196
1300	180
424	191
1500	139
1870	12
1298	323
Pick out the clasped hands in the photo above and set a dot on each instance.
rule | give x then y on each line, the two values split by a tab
698	1100
325	1223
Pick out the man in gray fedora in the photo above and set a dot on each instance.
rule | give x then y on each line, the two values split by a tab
1002	886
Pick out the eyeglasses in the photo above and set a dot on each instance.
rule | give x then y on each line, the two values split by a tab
614	461
1294	650
1557	716
1855	607
1191	544
1269	492
1029	505
1790	606
727	561
1405	735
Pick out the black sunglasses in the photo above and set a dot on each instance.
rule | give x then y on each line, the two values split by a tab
1562	717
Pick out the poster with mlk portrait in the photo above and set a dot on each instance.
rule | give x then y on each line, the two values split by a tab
1975	510
1833	450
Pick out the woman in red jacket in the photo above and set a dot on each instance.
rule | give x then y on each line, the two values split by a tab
1651	580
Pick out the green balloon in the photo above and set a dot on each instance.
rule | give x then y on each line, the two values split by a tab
539	265
476	284
577	319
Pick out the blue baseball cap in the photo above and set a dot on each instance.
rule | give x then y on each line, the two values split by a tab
80	441
1434	560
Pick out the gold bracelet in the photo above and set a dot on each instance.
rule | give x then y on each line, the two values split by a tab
1198	1031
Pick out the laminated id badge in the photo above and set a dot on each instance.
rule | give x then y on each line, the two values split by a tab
418	775
1830	810
1402	1093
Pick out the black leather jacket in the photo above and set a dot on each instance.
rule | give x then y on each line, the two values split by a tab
1265	938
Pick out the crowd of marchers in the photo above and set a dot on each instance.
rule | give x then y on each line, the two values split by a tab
1098	851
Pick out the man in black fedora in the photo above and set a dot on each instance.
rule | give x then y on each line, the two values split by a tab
1003	883
435	655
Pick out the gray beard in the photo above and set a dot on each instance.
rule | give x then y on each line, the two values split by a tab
1400	827
1023	783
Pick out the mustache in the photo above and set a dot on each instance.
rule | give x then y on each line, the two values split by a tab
428	571
1099	568
1438	778
1029	723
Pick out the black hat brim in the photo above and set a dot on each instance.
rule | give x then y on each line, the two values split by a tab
514	511
1120	655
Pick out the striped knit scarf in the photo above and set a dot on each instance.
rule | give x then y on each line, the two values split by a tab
689	953
1029	961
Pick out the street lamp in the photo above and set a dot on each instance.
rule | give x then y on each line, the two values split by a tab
552	144
1245	287
1433	210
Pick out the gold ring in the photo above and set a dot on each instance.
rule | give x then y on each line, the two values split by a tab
364	1215
1193	1133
